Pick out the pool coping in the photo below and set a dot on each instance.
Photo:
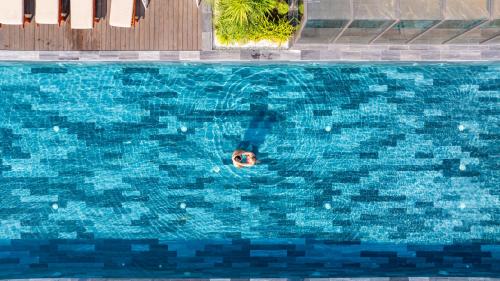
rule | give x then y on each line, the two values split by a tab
335	53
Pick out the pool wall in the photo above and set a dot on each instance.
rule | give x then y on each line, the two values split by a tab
241	258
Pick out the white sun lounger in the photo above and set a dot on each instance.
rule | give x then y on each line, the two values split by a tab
122	13
48	11
82	14
12	12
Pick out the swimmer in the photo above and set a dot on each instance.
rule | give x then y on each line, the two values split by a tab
237	158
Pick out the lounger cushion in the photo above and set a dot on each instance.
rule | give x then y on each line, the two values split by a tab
47	11
82	14
12	12
121	13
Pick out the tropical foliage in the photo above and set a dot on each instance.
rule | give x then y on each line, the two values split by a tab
282	8
240	21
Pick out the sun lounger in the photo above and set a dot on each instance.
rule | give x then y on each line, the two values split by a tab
82	14
122	13
48	11
12	12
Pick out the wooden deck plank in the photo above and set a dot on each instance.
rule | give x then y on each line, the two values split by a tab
51	34
129	42
94	40
193	18
35	38
170	26
165	25
46	37
180	31
7	30
137	38
125	39
157	26
142	30
158	14
21	38
14	36
38	37
198	33
119	36
14	33
131	39
87	39
54	33
185	17
61	30
41	37
108	27
176	23
114	36
183	27
55	30
161	25
145	30
192	39
65	30
2	39
120	39
31	38
42	34
67	41
47	43
150	27
99	27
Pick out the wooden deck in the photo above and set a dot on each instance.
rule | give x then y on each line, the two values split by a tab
165	25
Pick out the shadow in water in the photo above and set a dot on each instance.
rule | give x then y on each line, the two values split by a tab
258	128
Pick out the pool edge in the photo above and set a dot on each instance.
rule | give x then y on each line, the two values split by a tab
340	53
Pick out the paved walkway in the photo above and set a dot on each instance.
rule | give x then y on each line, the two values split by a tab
437	53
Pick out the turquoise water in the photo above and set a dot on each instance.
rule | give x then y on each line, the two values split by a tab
372	153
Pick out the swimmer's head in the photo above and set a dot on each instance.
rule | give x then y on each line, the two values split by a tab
237	158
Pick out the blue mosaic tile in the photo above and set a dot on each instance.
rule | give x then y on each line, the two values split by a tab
111	170
241	258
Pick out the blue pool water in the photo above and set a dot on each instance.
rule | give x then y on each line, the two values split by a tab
364	169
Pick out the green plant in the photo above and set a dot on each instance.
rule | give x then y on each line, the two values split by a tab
282	8
240	21
301	8
244	11
279	31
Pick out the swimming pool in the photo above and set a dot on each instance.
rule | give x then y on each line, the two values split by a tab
365	170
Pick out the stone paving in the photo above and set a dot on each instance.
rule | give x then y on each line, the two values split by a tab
346	53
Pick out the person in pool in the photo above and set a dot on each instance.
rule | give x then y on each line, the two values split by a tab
240	155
